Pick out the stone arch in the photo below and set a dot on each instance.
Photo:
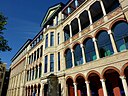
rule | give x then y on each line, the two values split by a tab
108	68
99	30
69	77
91	72
79	74
76	43
116	21
123	68
85	38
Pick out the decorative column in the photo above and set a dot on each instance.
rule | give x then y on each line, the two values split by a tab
83	53
79	24
75	88
112	41
96	48
102	6
125	86
73	61
70	28
32	73
104	87
90	18
38	71
41	89
88	88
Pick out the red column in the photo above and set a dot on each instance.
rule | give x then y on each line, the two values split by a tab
71	91
79	92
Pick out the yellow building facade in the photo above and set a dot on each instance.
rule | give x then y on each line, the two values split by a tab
80	51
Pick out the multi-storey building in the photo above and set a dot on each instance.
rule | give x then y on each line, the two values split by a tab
80	51
2	75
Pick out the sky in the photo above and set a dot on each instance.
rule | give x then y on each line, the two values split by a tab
24	19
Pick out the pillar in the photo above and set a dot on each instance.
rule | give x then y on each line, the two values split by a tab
79	24
112	41
96	48
125	86
41	90
90	18
104	87
38	71
83	53
102	6
70	29
73	61
75	88
88	88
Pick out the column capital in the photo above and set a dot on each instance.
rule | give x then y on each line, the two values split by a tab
102	80
72	50
81	45
122	77
109	32
87	82
74	83
94	39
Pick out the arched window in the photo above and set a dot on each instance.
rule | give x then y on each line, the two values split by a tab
68	58
78	55
110	5
96	11
66	33
40	70
120	31
89	50
104	44
75	27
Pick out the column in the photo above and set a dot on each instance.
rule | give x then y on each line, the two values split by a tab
41	89
102	6
73	61
104	87
125	86
88	88
70	28
79	24
90	18
83	53
38	71
32	73
96	48
75	88
37	91
112	41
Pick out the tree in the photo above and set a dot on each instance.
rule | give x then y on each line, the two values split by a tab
3	42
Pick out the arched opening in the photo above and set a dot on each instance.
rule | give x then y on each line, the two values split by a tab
96	11
95	85
35	91
31	90
84	19
104	44
28	91
70	87
75	27
120	30
68	58
66	33
78	55
110	5
46	90
36	74
81	86
113	83
126	74
89	50
39	86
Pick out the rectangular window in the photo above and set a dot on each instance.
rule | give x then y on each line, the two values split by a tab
41	50
46	41
58	35
30	59
46	64
51	62
40	70
35	56
37	53
52	39
58	61
32	73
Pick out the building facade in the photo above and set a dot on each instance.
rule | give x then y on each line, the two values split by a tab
80	51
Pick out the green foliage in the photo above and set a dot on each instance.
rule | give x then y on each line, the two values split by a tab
3	42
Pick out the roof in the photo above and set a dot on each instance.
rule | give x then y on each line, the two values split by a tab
21	49
51	12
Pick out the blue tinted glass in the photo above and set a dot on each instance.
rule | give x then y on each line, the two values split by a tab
68	59
51	62
78	55
89	50
104	44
